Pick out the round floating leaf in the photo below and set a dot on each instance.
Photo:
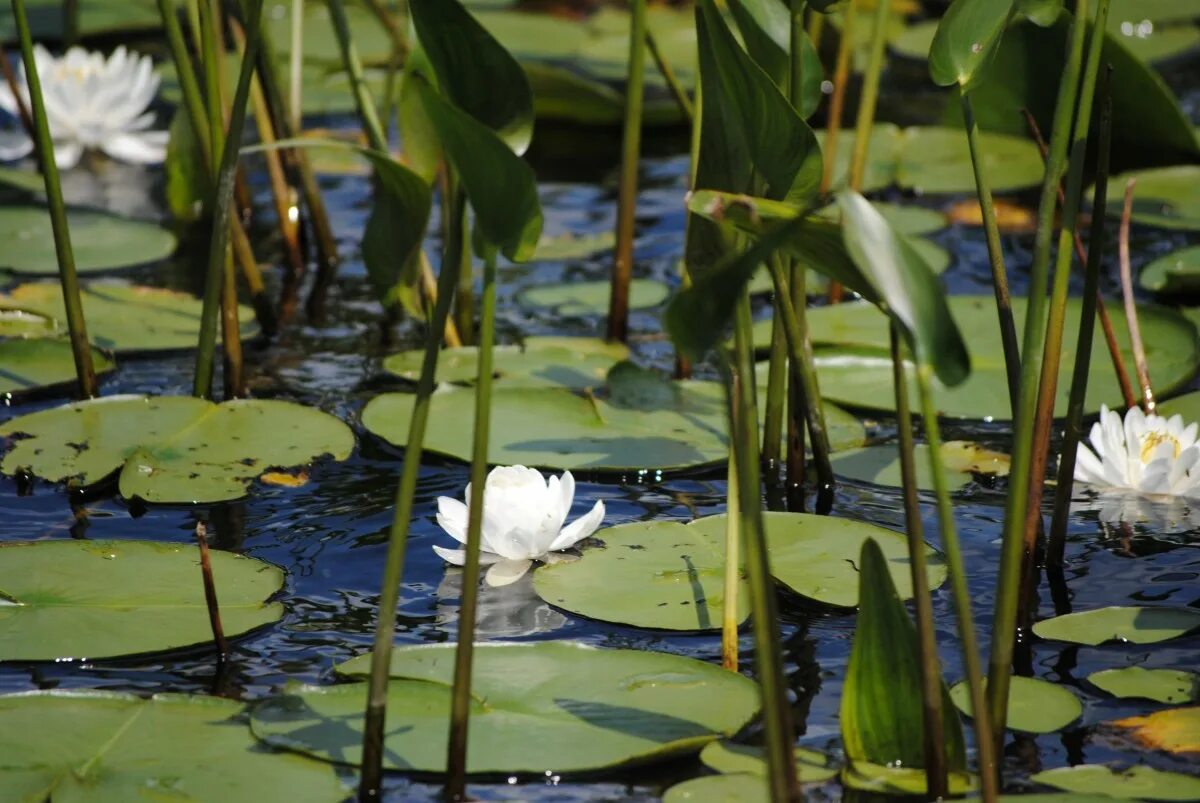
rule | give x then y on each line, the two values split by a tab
171	448
108	746
567	362
729	759
1176	730
101	241
1187	406
100	599
1167	197
1177	272
736	788
566	247
126	317
41	362
23	323
1136	783
1136	625
881	464
1034	705
867	777
1160	685
579	299
588	708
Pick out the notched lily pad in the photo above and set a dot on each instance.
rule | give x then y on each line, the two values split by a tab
100	241
580	299
1136	783
1136	625
38	363
171	448
1138	683
100	599
568	362
1034	705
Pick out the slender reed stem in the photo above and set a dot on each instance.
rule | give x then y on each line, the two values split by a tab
631	148
798	277
841	77
869	98
776	400
683	367
296	63
460	703
1073	428
367	112
393	572
455	210
210	594
936	779
733	536
70	20
399	54
231	336
986	747
1131	313
664	68
85	372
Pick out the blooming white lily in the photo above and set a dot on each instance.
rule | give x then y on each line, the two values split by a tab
1145	453
91	103
523	516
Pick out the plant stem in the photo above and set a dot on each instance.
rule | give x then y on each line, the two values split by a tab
1131	313
983	188
870	96
70	20
393	571
1073	428
85	372
367	112
776	392
231	336
631	147
456	250
768	653
296	63
986	747
798	276
460	703
664	68
936	779
841	77
1004	623
733	535
210	594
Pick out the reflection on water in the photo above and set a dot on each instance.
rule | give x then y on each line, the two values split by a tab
505	612
1164	514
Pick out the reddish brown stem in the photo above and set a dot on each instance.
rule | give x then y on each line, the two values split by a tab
1131	314
10	78
210	594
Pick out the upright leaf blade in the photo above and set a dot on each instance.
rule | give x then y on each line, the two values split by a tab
766	30
967	39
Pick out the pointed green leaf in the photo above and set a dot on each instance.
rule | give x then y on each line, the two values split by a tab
766	29
966	41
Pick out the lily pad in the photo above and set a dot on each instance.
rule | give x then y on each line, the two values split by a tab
734	788
110	746
36	363
1136	625
126	317
1034	705
729	758
171	448
22	323
1176	730
80	600
881	464
590	708
1166	197
1138	683
1177	272
1187	405
559	362
567	247
1136	783
670	576
579	299
867	777
101	241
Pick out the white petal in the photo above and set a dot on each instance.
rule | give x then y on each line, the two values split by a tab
579	529
66	154
452	517
1088	467
506	572
145	148
458	557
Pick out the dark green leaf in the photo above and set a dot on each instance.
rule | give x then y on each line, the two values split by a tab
766	29
966	40
1040	12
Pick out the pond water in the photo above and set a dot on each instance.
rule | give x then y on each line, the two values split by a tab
330	534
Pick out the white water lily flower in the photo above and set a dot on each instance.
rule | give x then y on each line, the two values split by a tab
523	516
92	103
1145	453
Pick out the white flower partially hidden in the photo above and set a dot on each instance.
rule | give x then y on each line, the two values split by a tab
92	103
523	517
1146	453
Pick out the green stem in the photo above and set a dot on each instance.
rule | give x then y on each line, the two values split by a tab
631	146
456	250
733	537
393	569
870	96
70	13
460	703
231	336
367	112
222	204
295	63
193	98
214	59
768	653
841	77
798	275
936	778
776	391
664	68
1004	624
85	372
988	768
983	188
1073	429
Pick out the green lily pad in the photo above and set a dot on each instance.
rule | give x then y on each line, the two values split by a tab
110	747
579	299
23	323
101	241
1034	705
558	362
729	758
867	777
567	247
1136	625
125	317
37	363
171	449
670	576
1166	197
1187	405
739	787
590	709
1136	783
881	464
1177	272
1160	685
99	599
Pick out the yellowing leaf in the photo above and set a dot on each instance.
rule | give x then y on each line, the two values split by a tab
1176	730
284	479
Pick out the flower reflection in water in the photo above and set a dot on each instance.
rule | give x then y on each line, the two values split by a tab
508	612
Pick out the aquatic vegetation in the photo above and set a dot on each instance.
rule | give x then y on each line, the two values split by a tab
1145	453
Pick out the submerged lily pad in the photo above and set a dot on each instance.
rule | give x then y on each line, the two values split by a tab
669	575
589	708
1177	272
867	777
1160	685
579	299
112	746
41	362
738	787
100	241
1136	625
171	448
1175	730
1167	197
566	247
881	464
1034	705
728	758
99	599
566	362
1136	783
126	317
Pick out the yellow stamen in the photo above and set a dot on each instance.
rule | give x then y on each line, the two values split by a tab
1151	441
